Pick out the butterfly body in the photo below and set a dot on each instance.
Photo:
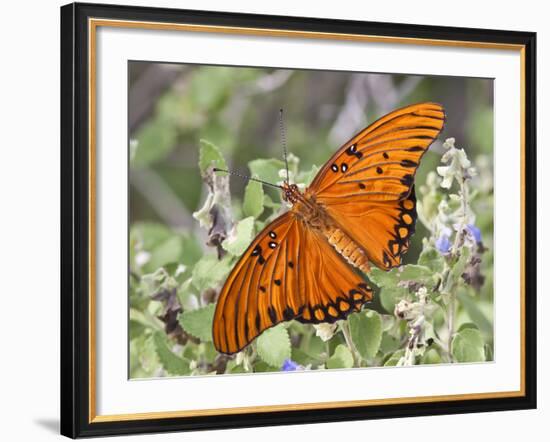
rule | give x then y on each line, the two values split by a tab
317	219
360	209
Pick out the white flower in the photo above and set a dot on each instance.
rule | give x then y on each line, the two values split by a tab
406	310
240	358
325	330
180	270
458	164
462	158
422	293
142	257
449	143
448	174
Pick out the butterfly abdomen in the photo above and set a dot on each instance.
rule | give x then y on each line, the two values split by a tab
316	217
348	248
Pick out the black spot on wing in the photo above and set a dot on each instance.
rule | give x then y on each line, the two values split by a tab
408	163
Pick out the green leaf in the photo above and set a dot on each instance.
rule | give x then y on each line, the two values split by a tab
147	321
394	358
144	361
391	291
241	237
460	265
409	272
266	169
382	278
269	203
166	252
171	362
342	358
273	346
468	346
388	343
191	250
432	259
467	325
366	332
199	322
233	368
264	367
476	314
209	271
390	296
488	352
156	139
431	356
210	156
418	273
303	358
149	234
135	329
253	203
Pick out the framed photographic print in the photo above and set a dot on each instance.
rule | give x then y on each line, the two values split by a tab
279	220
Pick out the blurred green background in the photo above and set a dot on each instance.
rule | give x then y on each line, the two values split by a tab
173	106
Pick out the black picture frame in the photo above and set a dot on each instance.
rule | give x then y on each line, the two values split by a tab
75	219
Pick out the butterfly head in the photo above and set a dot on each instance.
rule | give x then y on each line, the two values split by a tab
291	193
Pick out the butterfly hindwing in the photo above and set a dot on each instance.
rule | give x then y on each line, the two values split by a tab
382	229
333	289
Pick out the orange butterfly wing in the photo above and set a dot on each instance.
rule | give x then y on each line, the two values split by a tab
287	272
367	184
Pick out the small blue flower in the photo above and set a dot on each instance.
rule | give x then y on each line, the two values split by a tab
474	232
290	365
443	244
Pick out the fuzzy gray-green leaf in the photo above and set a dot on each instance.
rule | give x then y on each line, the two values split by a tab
240	238
432	259
341	358
171	362
366	332
266	169
209	271
273	346
468	346
253	203
199	322
210	156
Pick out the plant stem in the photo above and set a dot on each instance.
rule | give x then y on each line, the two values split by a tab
449	284
451	324
344	326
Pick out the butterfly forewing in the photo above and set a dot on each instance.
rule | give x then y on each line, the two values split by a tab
244	307
299	275
380	162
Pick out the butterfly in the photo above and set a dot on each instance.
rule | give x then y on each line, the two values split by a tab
360	209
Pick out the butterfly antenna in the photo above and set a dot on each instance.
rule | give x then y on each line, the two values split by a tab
247	177
283	141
